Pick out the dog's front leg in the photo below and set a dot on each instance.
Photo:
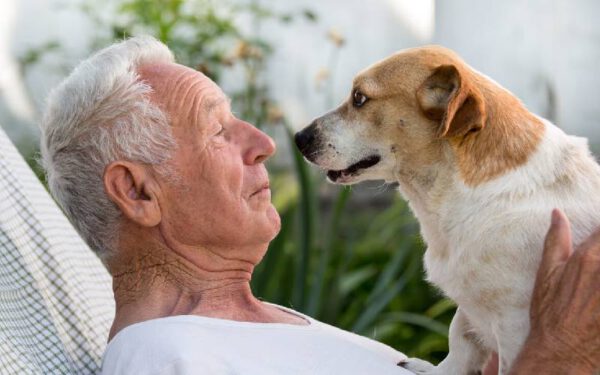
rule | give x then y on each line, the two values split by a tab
466	357
510	334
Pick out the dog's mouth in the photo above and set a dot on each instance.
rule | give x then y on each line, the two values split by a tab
354	169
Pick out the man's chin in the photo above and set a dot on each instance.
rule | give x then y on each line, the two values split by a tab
275	220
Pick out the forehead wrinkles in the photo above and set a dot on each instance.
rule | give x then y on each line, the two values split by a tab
188	95
192	98
212	103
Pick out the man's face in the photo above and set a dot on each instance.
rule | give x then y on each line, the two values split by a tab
221	196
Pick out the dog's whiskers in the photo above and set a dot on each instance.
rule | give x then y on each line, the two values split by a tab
380	189
310	155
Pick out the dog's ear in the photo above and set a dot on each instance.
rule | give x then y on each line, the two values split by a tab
446	96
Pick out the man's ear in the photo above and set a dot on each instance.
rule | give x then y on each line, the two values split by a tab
447	96
133	189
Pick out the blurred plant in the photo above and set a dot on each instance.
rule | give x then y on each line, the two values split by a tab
335	258
209	35
324	79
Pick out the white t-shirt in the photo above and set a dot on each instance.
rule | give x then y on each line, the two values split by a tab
190	344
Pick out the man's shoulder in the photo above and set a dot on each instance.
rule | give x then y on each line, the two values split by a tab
217	346
157	344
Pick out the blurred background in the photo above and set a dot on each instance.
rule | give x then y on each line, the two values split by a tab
349	257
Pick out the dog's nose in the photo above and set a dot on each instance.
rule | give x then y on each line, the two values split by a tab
304	138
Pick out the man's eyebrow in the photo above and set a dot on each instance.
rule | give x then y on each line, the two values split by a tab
212	104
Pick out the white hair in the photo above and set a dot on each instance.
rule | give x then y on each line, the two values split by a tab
99	114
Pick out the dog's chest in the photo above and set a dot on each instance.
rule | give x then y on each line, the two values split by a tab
467	280
488	255
488	258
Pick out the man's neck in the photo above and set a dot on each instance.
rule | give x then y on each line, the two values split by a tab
156	283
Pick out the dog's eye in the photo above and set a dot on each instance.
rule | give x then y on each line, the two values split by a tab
358	98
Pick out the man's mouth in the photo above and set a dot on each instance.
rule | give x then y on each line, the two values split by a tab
354	169
263	188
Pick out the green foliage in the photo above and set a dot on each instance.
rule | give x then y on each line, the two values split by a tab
336	259
33	56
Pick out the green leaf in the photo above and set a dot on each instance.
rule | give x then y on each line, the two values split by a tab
308	221
442	306
352	280
310	15
390	271
325	255
419	320
378	303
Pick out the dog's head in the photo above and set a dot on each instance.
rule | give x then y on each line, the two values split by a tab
399	112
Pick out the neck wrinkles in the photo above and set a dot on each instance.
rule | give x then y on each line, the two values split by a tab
169	282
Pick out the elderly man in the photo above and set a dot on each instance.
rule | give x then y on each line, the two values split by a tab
170	189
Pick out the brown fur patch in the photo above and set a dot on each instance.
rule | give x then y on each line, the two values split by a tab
489	129
500	134
493	299
510	136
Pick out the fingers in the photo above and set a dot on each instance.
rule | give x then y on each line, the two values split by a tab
591	245
557	247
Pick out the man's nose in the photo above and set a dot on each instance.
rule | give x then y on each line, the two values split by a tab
304	138
260	146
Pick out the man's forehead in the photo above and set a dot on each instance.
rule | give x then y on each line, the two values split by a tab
160	70
213	102
169	76
173	83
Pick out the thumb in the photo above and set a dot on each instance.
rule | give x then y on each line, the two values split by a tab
558	246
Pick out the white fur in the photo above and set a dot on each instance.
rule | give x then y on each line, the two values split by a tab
344	145
485	243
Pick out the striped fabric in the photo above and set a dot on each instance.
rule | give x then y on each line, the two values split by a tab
56	302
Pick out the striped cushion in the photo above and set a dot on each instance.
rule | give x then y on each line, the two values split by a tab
56	303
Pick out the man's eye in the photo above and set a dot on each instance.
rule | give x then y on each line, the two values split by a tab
358	98
220	132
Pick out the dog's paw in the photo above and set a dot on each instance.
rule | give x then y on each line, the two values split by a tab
418	366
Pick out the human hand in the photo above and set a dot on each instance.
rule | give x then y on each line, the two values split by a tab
565	307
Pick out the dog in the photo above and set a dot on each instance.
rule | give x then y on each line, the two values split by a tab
481	174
